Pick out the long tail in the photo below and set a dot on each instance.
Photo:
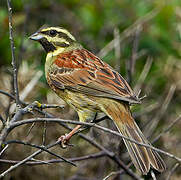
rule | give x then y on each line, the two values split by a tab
143	158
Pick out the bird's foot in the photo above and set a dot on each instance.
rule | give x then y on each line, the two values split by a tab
64	141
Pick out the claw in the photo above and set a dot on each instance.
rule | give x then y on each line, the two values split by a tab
63	141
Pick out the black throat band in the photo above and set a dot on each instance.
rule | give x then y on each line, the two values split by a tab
49	47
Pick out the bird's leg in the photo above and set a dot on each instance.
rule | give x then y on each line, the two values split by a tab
83	117
65	138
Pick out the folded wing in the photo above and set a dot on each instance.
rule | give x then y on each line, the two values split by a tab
98	80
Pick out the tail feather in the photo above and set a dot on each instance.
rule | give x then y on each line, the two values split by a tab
155	159
143	158
137	153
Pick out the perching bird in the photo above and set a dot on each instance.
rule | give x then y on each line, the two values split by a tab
89	85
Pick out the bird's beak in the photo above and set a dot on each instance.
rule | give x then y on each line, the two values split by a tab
36	36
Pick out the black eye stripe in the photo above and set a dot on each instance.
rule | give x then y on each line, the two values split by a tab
65	36
45	32
53	33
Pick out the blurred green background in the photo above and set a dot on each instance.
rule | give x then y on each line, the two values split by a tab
156	43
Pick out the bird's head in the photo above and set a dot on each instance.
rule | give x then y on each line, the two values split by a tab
53	38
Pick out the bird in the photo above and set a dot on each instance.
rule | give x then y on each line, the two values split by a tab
89	85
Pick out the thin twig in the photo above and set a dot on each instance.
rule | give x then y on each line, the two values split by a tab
13	97
47	106
43	148
4	149
117	47
55	120
110	154
147	109
40	161
7	94
152	125
52	161
6	129
135	49
153	175
172	170
44	133
144	74
2	120
26	159
132	61
29	129
15	81
167	129
111	174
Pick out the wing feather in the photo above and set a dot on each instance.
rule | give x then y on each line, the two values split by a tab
94	77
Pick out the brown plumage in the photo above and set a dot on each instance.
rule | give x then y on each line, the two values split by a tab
89	85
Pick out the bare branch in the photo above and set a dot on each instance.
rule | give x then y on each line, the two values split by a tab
15	81
111	174
7	94
40	161
110	154
172	170
153	175
47	106
117	47
55	120
6	129
52	161
164	105
26	159
143	75
4	149
2	120
167	129
132	61
43	148
44	133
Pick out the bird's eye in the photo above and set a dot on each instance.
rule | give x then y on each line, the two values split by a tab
53	32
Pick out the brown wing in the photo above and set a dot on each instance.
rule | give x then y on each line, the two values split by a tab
81	71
